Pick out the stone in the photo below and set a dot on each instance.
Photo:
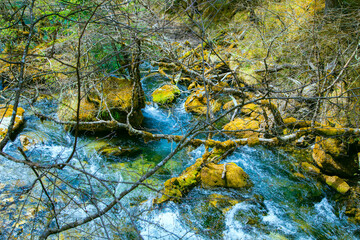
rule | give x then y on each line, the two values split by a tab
197	103
213	175
251	109
337	183
165	94
339	166
5	116
333	146
116	95
309	168
244	127
176	187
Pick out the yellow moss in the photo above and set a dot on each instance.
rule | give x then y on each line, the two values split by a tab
177	138
330	131
337	183
7	111
118	93
147	136
235	177
220	86
5	116
319	155
115	95
165	94
197	103
332	146
228	144
245	127
224	203
248	75
196	142
228	105
193	85
308	167
294	123
67	111
250	108
211	143
289	120
174	188
253	141
299	175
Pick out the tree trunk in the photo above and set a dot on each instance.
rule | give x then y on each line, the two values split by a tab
331	5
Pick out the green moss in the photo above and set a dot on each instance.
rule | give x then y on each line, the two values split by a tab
337	183
165	94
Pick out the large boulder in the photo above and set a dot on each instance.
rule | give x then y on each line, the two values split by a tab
165	94
224	175
114	95
5	116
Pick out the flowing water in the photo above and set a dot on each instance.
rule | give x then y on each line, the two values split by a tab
280	205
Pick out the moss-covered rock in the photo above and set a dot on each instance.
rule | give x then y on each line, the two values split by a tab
176	187
243	127
251	109
165	94
337	183
5	116
331	161
197	103
30	139
334	147
221	202
309	168
115	96
224	175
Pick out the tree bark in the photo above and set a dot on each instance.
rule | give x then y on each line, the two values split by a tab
331	5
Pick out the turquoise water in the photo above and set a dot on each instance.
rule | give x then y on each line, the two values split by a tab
279	206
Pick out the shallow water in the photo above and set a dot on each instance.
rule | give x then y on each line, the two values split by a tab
279	206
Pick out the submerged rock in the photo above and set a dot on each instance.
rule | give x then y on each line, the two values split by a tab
224	175
110	150
165	94
30	139
116	96
5	116
222	202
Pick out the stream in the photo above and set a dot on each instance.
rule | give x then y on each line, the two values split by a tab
278	206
